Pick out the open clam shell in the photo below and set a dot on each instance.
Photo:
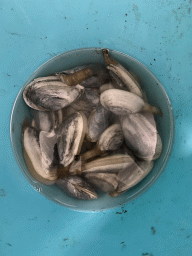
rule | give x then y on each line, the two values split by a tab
77	187
72	133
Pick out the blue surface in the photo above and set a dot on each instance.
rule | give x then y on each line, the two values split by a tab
159	34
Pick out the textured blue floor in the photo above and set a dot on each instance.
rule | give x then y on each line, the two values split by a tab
157	33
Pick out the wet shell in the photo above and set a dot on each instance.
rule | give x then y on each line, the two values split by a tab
48	146
122	73
97	123
76	187
105	182
105	87
72	133
43	120
111	164
131	176
121	102
50	95
33	158
140	135
112	138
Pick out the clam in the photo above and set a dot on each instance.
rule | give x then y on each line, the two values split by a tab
77	77
159	147
50	95
122	102
140	135
33	158
92	96
122	73
106	182
112	138
109	164
131	176
105	87
71	71
117	82
72	132
43	120
77	187
97	123
48	146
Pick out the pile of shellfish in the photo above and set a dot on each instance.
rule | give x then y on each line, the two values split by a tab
92	130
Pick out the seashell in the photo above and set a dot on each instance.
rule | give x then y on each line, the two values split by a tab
106	182
43	120
121	102
50	95
109	164
48	146
92	96
131	176
97	123
117	82
122	73
77	77
76	187
33	158
140	135
105	87
159	148
72	133
112	138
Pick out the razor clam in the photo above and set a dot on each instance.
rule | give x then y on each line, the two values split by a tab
131	176
117	82
97	123
47	78
50	95
76	187
71	71
48	146
122	102
72	132
122	73
112	138
77	77
111	164
106	182
140	135
33	158
105	87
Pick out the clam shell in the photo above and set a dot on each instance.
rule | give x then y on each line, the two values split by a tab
50	95
105	87
48	141
140	135
111	164
131	176
76	187
105	182
33	158
72	133
132	85
97	123
121	102
112	138
43	120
